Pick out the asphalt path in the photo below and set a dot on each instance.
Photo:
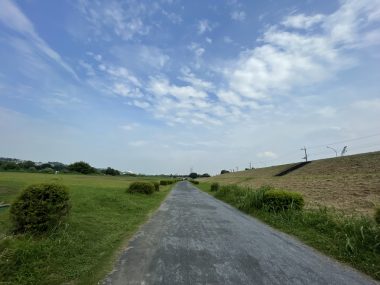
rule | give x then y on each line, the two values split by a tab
195	239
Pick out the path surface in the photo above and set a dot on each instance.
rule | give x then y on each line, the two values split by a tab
196	239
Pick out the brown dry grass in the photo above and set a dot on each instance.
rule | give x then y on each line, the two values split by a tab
350	183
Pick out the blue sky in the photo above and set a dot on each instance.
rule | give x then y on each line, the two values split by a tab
165	86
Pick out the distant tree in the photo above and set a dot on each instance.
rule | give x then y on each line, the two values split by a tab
58	166
27	164
81	167
224	171
11	166
205	175
43	166
111	171
193	175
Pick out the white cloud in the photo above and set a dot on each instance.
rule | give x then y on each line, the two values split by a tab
290	59
301	21
227	39
129	127
125	20
126	90
161	86
189	77
266	154
12	17
141	104
369	104
326	112
197	49
238	15
138	143
204	26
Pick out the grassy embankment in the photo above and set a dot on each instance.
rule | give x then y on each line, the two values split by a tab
354	240
350	184
103	217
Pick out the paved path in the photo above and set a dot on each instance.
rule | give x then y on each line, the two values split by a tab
196	239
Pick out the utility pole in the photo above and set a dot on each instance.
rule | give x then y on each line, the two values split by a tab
344	150
304	149
336	152
250	165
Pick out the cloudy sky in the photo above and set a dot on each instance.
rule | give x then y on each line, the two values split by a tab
167	85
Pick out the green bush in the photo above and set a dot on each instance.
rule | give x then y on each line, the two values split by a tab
156	186
214	187
377	216
48	170
141	187
166	182
39	208
253	199
194	182
277	200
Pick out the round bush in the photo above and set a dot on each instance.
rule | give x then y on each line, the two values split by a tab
377	216
214	187
141	187
156	186
277	200
40	207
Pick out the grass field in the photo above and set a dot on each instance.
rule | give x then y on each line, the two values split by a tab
83	250
350	183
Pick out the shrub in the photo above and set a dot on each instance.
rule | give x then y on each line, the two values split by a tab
214	187
48	170
377	216
141	187
167	182
194	182
278	200
253	199
32	169
156	186
39	208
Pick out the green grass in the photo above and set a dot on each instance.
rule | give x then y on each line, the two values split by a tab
103	217
354	240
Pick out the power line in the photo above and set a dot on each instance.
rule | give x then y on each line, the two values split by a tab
344	141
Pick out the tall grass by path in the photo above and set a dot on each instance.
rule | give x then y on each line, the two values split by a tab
354	240
83	250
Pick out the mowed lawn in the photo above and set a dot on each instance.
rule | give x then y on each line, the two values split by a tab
102	218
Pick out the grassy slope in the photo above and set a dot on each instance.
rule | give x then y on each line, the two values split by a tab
103	217
350	183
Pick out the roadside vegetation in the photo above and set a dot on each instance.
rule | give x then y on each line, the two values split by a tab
78	243
349	183
352	239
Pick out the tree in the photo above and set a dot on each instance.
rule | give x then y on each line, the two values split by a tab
11	166
111	171
224	171
27	164
205	175
81	167
193	175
